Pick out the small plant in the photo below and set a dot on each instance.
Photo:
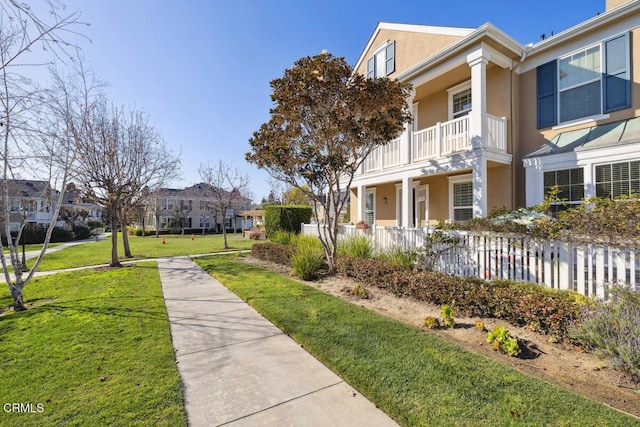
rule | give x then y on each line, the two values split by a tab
480	326
502	341
447	316
308	258
356	246
431	322
612	330
400	256
359	292
284	237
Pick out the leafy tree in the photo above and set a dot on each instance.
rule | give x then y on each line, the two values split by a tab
326	119
296	196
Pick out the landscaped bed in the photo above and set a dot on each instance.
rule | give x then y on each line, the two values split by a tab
415	377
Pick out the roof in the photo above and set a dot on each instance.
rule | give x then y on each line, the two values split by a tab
601	136
28	188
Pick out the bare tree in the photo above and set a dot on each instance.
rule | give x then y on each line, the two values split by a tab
35	130
226	186
120	155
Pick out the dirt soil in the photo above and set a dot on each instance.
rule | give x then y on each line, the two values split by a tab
567	366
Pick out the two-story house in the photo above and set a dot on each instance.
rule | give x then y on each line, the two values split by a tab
193	207
497	123
30	202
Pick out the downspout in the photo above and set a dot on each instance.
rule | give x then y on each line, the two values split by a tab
513	127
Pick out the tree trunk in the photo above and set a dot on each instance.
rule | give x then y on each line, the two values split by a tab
224	228
16	294
125	236
114	239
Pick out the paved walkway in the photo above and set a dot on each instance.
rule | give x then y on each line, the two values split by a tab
239	369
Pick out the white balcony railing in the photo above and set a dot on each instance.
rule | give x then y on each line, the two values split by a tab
383	157
441	140
453	136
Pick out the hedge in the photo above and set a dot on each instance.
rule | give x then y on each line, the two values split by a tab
286	218
541	309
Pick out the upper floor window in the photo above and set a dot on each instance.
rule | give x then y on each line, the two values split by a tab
383	61
618	179
586	83
459	100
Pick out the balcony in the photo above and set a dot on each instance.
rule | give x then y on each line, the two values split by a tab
442	140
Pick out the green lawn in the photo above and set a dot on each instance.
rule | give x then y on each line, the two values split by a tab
415	377
96	253
96	350
30	247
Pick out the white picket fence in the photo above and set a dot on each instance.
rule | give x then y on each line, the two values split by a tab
584	268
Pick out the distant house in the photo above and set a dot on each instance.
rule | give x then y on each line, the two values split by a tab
79	210
498	123
194	208
32	201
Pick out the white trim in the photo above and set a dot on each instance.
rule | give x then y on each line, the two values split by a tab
457	179
398	205
581	121
452	91
371	191
424	29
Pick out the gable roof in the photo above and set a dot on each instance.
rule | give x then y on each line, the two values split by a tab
422	29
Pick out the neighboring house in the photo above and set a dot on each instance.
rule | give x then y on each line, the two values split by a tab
195	208
79	210
32	201
486	109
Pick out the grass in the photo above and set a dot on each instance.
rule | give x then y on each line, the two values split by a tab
96	253
415	377
95	350
30	247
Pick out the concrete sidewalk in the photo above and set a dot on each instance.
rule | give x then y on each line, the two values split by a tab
239	369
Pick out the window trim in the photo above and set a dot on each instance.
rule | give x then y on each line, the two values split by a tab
371	191
455	90
457	179
372	72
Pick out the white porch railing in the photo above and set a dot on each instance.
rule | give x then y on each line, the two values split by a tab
384	156
584	268
453	136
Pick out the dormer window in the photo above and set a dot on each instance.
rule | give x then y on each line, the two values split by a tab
383	61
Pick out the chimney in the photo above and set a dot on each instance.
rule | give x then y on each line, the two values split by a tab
610	4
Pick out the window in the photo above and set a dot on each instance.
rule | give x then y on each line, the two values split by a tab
383	61
204	223
459	100
586	83
462	201
570	183
461	103
370	207
618	179
579	81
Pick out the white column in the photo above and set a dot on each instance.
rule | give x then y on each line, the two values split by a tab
478	117
479	175
362	202
407	134
407	202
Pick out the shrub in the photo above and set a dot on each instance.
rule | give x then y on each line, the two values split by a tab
431	322
399	256
356	246
447	316
501	340
286	218
613	330
308	258
542	309
284	237
81	232
360	292
274	252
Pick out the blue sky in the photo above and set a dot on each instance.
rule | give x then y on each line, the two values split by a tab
201	69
